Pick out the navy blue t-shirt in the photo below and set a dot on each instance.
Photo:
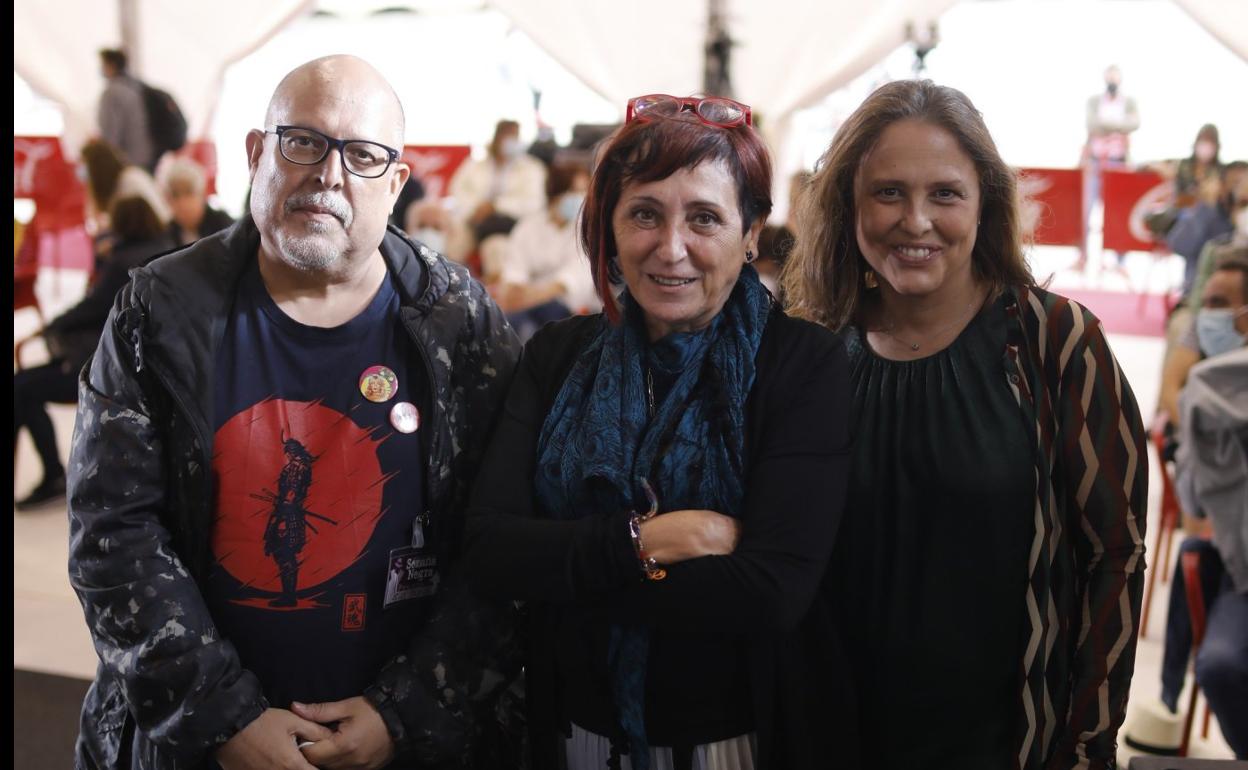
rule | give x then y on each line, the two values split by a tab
316	488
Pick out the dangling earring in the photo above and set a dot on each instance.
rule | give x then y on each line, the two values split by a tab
750	257
869	280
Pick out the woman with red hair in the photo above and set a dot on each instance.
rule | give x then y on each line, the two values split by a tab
665	485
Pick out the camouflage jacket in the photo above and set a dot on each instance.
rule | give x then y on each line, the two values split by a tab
169	689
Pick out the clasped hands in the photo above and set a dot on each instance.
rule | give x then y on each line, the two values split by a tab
342	735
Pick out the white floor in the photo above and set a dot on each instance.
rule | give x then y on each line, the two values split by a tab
49	634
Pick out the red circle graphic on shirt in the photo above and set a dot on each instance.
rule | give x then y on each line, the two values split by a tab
322	464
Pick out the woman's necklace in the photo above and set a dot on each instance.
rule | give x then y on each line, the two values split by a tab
914	346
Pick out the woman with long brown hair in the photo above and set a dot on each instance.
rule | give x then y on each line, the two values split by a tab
989	568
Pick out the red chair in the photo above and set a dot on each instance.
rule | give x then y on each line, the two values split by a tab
26	271
1190	564
1168	522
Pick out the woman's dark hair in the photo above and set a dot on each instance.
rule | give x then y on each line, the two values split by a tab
132	219
560	177
824	277
650	150
114	57
1235	262
104	164
1208	132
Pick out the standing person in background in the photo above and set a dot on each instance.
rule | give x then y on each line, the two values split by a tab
991	565
122	112
1111	118
493	193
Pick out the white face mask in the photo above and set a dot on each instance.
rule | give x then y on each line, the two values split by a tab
570	206
1205	151
512	148
434	239
1215	328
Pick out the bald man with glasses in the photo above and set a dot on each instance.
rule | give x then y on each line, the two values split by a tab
274	442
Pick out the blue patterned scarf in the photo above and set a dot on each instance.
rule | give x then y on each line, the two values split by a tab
598	442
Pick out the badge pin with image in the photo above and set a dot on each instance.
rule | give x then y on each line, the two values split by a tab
379	384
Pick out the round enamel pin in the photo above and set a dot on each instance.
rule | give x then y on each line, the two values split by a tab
378	384
405	417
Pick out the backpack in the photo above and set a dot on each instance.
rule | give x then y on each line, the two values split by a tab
165	123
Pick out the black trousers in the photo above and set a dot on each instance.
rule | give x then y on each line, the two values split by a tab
33	389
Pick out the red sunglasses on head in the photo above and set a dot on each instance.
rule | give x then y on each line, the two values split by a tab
712	110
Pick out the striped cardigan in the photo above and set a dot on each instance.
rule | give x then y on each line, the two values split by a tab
1087	556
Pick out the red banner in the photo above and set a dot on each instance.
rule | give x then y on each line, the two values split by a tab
434	165
1052	207
41	173
1129	196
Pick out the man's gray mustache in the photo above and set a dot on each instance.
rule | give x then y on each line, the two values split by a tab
333	204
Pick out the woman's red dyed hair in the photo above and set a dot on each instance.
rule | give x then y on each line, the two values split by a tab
650	150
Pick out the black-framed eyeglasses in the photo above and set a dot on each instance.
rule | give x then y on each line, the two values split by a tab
308	147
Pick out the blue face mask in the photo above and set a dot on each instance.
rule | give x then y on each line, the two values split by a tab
570	206
1215	327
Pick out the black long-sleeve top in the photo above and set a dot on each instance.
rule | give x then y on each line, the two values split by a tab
740	640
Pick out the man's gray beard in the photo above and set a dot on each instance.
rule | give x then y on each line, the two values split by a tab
311	253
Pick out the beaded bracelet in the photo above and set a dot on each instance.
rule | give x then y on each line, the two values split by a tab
649	567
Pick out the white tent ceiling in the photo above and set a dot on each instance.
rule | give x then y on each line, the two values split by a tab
789	53
181	47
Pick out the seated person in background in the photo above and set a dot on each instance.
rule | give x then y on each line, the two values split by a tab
1203	164
429	222
1225	292
543	276
1208	219
1217	250
72	336
774	244
1212	469
413	192
185	188
109	178
493	193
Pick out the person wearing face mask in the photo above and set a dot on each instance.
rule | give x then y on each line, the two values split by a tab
1212	483
543	276
1111	118
1201	165
1217	327
1190	175
492	193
